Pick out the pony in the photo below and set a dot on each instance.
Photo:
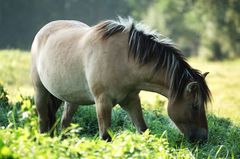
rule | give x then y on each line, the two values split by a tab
108	64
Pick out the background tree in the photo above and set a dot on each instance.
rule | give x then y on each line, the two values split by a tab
201	27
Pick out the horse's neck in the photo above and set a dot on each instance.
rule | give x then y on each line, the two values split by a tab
156	83
147	86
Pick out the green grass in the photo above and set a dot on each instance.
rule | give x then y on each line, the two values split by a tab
19	137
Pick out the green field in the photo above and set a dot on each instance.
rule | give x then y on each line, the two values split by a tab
18	121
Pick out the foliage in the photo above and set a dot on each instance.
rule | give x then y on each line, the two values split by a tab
4	106
222	29
168	17
209	28
3	97
139	7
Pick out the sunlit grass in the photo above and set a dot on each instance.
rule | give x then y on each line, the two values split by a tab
223	81
15	72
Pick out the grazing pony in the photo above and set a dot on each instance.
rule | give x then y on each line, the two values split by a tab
108	64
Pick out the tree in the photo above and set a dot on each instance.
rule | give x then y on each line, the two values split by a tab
209	27
223	19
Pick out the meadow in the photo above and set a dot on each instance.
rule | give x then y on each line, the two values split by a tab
19	137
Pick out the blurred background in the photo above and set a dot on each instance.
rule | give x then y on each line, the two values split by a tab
208	28
208	33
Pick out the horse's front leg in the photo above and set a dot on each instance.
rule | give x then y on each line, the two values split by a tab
132	106
68	112
104	110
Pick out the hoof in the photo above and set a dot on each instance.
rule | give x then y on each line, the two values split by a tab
106	137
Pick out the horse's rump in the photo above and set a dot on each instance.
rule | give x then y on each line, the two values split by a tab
57	59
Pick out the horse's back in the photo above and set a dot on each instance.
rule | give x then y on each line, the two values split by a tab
55	27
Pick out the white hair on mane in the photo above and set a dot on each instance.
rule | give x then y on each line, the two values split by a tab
140	26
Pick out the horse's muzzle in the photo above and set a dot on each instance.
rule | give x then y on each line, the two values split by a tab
200	136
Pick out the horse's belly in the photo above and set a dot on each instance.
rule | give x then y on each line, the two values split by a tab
65	83
79	97
69	93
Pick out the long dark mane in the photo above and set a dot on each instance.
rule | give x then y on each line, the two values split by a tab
146	46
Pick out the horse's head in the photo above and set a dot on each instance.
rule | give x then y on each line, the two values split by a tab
188	113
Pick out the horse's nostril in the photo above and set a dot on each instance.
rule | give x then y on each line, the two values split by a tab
203	135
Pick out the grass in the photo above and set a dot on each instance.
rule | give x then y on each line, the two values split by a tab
19	137
15	72
224	83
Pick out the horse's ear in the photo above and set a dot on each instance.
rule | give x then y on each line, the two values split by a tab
192	87
205	74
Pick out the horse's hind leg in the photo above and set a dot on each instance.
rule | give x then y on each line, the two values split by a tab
53	105
68	112
47	106
41	100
